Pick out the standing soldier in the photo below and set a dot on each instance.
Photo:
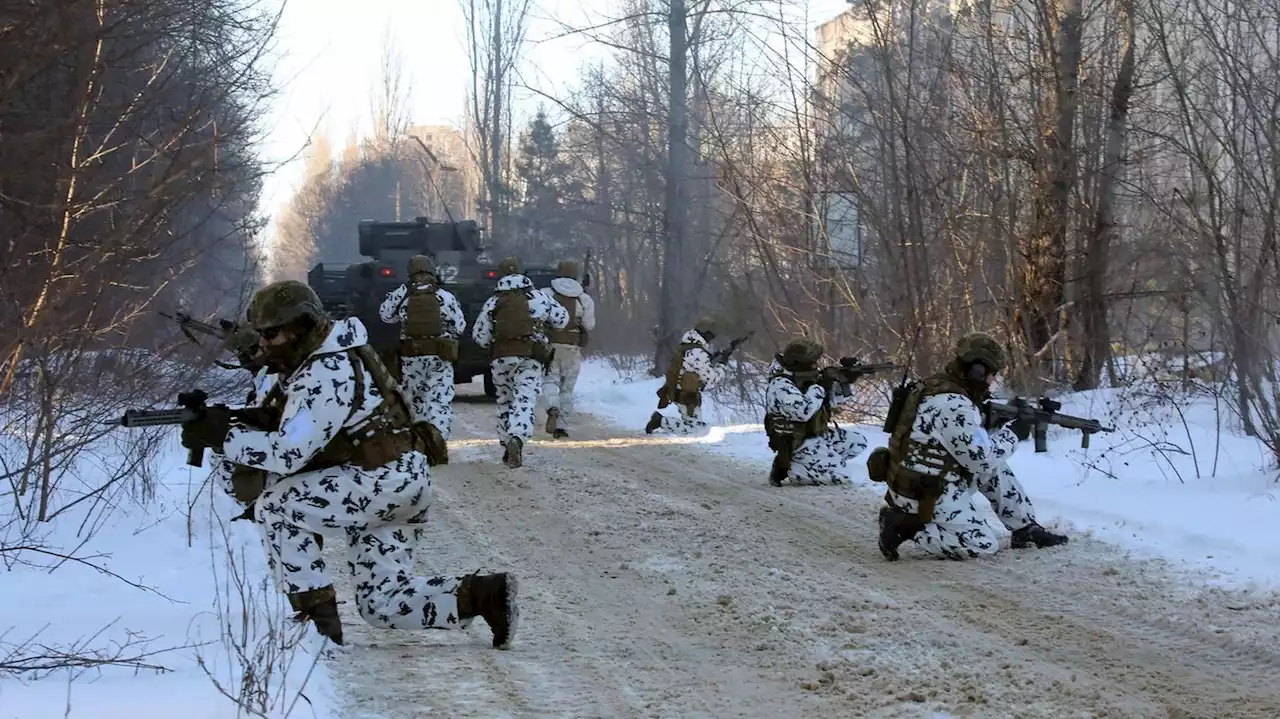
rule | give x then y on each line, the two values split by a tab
430	322
691	369
511	324
566	346
940	455
341	461
798	408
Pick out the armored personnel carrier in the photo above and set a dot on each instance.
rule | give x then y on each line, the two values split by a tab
462	266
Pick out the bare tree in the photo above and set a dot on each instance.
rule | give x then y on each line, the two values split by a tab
495	38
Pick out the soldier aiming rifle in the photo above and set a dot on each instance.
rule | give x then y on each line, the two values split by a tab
240	341
810	448
691	369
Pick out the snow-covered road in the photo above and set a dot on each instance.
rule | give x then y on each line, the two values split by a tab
659	580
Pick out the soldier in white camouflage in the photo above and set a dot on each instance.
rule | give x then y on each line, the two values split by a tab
341	460
799	406
431	321
941	455
513	326
691	370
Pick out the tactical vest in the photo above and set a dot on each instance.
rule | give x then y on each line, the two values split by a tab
386	434
423	318
424	326
683	387
784	433
572	333
889	464
513	325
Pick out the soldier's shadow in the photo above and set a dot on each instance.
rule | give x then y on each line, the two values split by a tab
474	399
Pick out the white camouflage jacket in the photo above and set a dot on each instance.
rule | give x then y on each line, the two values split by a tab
782	397
954	422
698	360
319	398
541	306
585	311
395	309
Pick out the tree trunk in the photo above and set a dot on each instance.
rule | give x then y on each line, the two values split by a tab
1097	334
497	86
673	315
1045	253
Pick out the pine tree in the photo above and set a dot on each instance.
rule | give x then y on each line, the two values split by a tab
548	197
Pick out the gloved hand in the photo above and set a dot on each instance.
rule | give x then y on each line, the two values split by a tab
1021	427
208	431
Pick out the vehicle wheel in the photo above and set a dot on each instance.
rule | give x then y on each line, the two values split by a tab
490	389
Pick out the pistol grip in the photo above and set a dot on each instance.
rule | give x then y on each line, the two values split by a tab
195	457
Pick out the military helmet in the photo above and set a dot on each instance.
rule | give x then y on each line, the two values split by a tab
568	268
509	266
704	325
421	264
280	303
980	347
801	352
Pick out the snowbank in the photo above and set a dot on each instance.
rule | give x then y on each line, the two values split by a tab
199	617
1166	484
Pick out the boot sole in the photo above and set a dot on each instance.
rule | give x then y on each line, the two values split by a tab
513	613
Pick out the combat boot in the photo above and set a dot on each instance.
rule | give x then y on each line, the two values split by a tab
561	434
553	416
779	471
655	421
321	607
1037	535
896	527
514	456
491	597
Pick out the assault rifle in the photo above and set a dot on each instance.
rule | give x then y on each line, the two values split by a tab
1040	415
191	407
226	331
190	324
722	356
851	369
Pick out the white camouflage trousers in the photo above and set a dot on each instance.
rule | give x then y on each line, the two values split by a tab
682	422
561	378
428	382
820	460
959	529
517	380
381	512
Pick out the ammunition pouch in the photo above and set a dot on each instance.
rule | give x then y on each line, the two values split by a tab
247	483
925	489
689	389
781	433
446	348
541	352
582	337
